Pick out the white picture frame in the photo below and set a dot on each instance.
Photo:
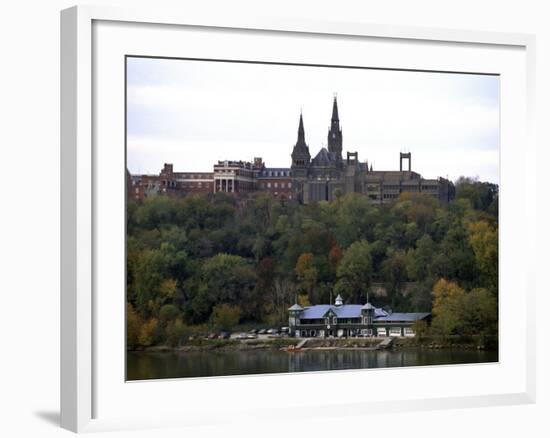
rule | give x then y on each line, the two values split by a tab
82	334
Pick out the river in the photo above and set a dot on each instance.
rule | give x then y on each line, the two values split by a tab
149	365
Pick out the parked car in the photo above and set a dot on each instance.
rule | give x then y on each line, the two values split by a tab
272	331
212	336
224	335
284	329
242	336
253	331
262	331
251	336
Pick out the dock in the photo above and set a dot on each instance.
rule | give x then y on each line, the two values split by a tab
386	343
302	343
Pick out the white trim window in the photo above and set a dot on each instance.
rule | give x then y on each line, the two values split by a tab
408	331
395	331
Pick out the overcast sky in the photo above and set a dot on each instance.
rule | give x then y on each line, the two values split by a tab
193	113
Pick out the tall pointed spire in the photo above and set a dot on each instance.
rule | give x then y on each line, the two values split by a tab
300	152
335	132
301	132
334	117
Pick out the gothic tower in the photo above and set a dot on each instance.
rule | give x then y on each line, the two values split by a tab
300	153
300	163
335	133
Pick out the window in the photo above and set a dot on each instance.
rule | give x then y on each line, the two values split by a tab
408	331
335	320
395	331
276	185
268	185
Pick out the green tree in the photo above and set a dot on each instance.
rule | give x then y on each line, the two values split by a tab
394	270
480	313
176	331
484	240
307	273
355	271
419	259
168	313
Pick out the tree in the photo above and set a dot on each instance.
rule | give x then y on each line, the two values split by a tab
457	312
484	240
334	257
225	316
481	195
133	327
168	313
148	333
394	270
448	307
229	279
480	313
355	271
175	332
307	273
420	258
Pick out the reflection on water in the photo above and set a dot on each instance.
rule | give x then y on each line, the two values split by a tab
141	365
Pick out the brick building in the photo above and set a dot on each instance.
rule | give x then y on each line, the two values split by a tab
320	178
275	180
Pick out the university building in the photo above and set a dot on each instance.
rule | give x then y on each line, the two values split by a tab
350	320
321	178
328	174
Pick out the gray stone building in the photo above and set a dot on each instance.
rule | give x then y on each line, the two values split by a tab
328	174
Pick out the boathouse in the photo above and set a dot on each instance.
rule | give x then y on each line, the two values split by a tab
350	320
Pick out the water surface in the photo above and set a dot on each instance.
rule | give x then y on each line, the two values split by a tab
148	365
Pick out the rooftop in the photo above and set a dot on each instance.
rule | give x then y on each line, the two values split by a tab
319	311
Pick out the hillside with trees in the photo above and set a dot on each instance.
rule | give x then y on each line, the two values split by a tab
215	262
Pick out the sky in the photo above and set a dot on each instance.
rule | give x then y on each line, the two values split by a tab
194	113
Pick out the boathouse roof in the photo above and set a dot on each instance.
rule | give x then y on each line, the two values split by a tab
395	317
342	311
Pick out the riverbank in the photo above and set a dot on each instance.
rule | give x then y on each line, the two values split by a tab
427	343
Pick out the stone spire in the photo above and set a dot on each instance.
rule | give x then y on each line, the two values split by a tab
300	153
301	133
334	118
335	132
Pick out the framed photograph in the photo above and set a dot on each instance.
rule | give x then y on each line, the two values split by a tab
292	204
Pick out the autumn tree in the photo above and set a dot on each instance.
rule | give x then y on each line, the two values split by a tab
225	316
148	334
448	307
133	326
